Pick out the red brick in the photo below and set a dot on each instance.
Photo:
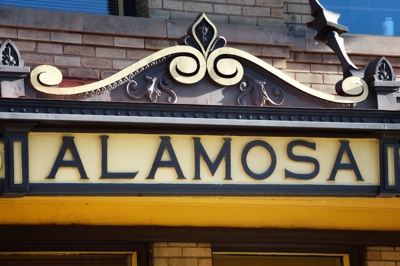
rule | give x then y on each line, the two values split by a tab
25	46
120	64
242	20
270	22
8	33
106	73
292	18
50	48
387	255
167	252
275	3
279	63
79	50
298	67
205	262
36	35
330	59
242	2
380	263
84	73
324	68
158	44
182	262
257	11
308	57
38	59
373	255
110	52
329	89
299	8
172	5
277	12
67	60
198	7
138	54
275	51
332	79
228	9
251	49
197	252
98	39
160	262
309	78
96	62
129	42
66	37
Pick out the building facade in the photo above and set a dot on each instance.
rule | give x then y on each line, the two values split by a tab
239	136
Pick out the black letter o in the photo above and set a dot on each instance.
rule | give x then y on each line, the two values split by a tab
246	168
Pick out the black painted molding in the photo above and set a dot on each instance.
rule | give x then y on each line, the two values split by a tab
61	112
37	237
39	189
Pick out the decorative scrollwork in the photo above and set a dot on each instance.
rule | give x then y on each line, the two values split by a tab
10	55
258	94
156	83
385	71
224	70
200	52
379	69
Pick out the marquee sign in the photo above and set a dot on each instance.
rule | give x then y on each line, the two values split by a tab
182	159
205	84
152	164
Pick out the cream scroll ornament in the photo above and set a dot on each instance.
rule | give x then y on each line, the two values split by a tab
200	53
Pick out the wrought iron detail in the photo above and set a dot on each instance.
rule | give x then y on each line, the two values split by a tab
329	31
257	92
202	35
156	83
385	72
379	69
200	55
10	55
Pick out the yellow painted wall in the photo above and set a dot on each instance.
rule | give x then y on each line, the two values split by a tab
274	212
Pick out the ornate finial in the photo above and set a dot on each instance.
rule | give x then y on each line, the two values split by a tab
10	55
328	31
202	35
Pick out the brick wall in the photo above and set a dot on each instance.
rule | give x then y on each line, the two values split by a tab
85	57
383	256
297	13
244	12
81	56
276	13
182	254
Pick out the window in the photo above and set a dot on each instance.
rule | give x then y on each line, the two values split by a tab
111	7
68	259
278	259
378	17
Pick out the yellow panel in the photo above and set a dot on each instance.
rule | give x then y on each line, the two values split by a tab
136	153
274	212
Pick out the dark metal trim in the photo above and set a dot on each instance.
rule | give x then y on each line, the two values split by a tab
57	112
38	189
386	189
11	188
34	237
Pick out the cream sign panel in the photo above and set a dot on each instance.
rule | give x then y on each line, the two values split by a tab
182	159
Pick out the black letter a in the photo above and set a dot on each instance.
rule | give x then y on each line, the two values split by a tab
68	142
